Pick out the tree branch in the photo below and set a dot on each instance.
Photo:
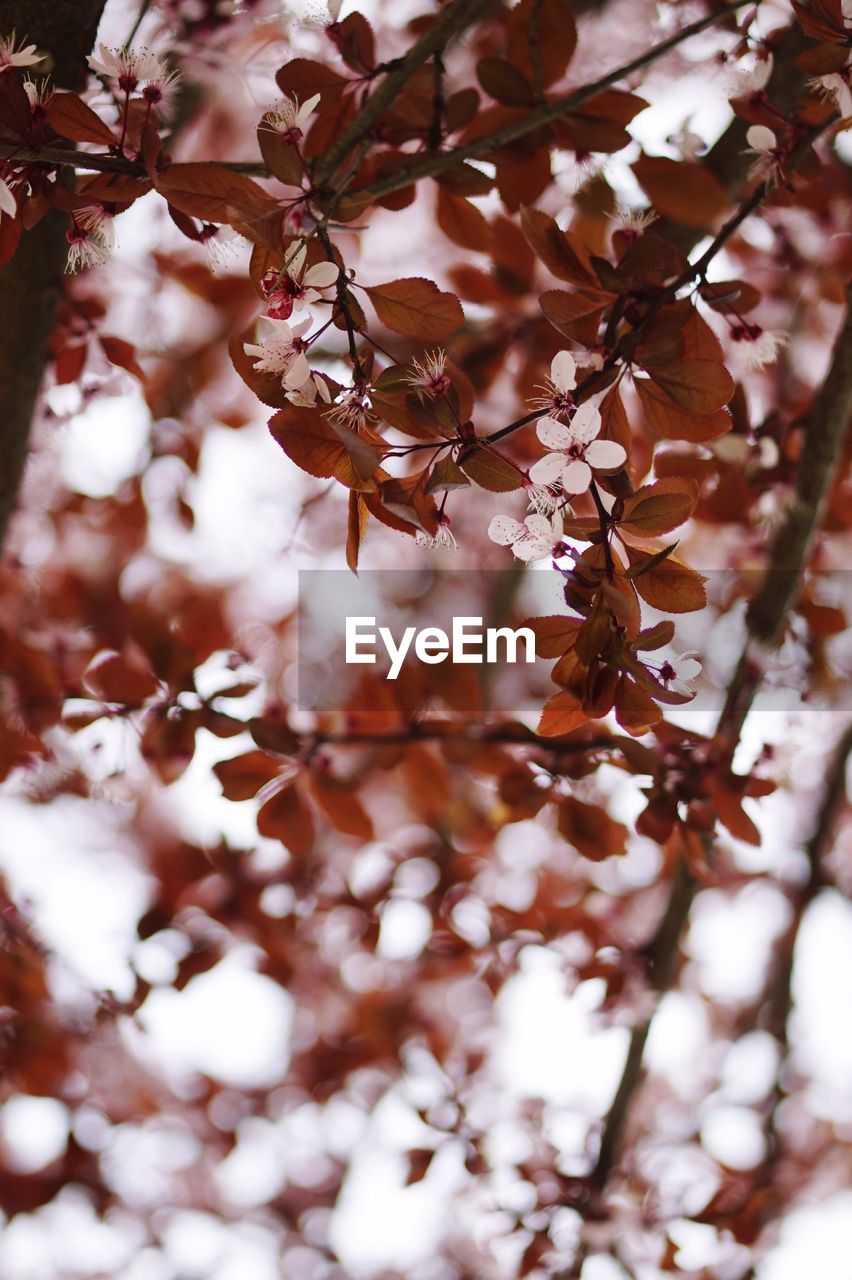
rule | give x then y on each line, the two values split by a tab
826	427
432	165
449	22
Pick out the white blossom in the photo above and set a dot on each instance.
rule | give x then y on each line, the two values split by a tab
443	536
835	88
556	392
760	347
768	155
95	220
39	92
678	673
535	539
25	56
280	350
287	115
306	393
85	249
305	286
689	145
353	411
542	498
743	81
576	451
129	67
428	377
632	221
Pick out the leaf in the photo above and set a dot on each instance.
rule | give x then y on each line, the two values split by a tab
112	677
355	528
722	294
364	458
279	154
242	777
284	816
355	42
542	34
462	222
309	440
554	634
668	421
122	354
446	476
590	829
699	386
670	585
561	253
209	191
573	314
339	801
560	714
266	386
682	190
71	118
416	308
635	710
659	507
504	82
489	469
655	637
302	78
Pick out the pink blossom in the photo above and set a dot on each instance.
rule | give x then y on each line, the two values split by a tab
576	451
25	56
535	539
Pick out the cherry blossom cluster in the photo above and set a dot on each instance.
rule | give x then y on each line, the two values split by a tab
282	348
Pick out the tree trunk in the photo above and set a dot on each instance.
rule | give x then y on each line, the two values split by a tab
31	284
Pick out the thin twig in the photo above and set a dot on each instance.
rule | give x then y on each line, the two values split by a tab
431	166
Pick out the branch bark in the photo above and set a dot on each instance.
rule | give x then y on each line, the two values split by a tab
449	23
31	284
432	165
826	428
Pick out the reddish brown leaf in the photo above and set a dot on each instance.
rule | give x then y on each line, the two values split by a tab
71	118
659	507
242	777
699	386
417	308
561	713
285	816
489	469
590	829
682	190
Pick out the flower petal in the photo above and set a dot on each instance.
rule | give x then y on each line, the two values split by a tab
547	469
576	477
504	530
585	424
321	275
298	373
759	138
563	371
539	526
531	549
554	434
296	263
605	455
306	108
